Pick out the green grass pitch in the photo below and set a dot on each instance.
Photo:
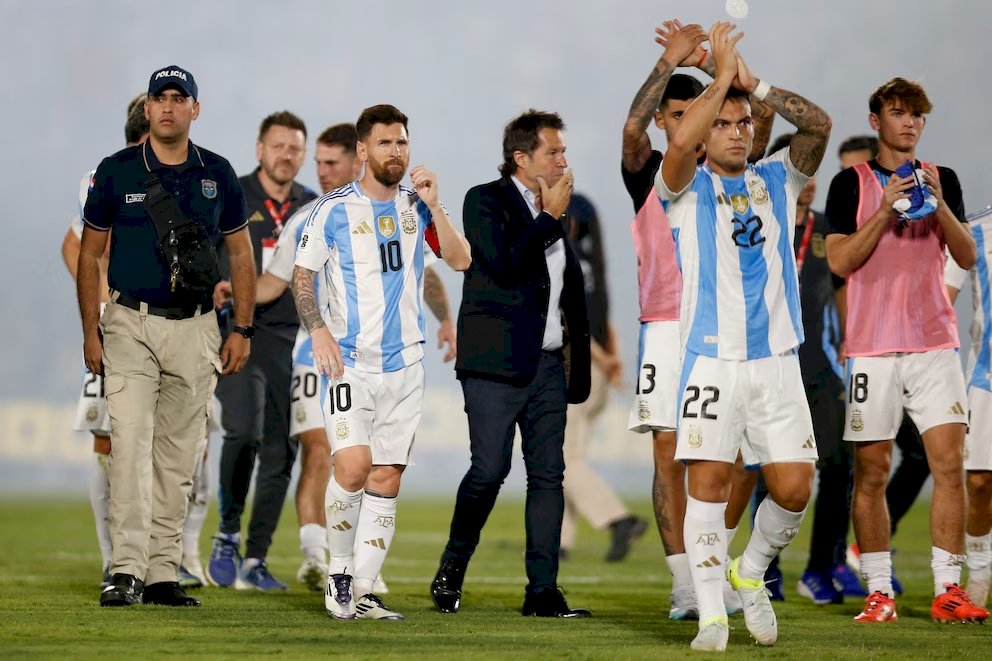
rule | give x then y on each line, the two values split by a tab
49	574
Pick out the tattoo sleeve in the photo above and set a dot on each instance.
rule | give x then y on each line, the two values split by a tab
763	117
813	124
636	144
435	296
305	299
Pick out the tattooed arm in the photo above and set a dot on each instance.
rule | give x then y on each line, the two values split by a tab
636	143
326	352
812	124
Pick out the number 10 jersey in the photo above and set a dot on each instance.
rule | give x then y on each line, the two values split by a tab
734	237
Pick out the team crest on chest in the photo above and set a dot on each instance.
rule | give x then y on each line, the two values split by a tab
818	246
740	203
756	188
387	226
209	188
408	221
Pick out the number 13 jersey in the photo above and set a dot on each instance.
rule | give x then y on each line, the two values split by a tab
734	240
372	257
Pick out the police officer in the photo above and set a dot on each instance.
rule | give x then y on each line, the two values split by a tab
255	403
169	203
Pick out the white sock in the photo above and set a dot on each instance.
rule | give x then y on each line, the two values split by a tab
774	528
376	527
100	501
196	511
342	508
946	568
979	558
876	571
313	541
706	548
678	564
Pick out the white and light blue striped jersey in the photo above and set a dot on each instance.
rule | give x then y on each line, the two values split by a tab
372	257
980	356
76	222
734	236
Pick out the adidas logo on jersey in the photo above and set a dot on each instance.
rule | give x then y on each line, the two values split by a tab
709	562
810	443
344	525
957	409
363	228
379	543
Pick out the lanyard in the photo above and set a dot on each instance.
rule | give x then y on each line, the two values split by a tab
804	245
278	215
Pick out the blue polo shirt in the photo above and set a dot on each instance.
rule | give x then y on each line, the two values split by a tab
207	191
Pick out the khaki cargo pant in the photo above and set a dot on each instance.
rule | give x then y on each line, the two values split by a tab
159	376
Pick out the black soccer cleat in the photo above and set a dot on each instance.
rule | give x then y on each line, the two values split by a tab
446	588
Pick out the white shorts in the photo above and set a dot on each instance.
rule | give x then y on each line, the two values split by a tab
91	411
657	391
978	442
928	385
304	400
381	411
756	406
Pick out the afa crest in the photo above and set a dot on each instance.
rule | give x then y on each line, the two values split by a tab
209	188
92	413
301	415
857	421
757	190
695	437
341	430
818	245
408	221
387	226
643	412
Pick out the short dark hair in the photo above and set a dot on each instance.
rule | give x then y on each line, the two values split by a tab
381	114
681	87
281	118
733	93
344	135
136	125
780	143
859	143
521	134
910	92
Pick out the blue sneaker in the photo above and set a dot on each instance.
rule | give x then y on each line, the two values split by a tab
225	559
819	587
254	575
846	581
773	583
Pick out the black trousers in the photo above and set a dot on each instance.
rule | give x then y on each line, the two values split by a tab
256	423
494	410
832	510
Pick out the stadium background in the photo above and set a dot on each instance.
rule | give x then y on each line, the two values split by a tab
460	70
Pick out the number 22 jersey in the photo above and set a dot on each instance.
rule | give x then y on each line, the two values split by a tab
734	239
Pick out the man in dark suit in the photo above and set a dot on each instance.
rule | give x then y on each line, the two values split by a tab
523	287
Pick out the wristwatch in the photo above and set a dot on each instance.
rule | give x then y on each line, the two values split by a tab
247	331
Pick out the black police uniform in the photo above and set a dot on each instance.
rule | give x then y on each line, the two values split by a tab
255	401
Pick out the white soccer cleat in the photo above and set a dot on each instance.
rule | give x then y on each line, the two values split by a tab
313	574
682	604
759	616
370	607
712	636
339	602
978	589
379	585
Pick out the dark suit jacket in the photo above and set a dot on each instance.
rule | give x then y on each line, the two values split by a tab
505	295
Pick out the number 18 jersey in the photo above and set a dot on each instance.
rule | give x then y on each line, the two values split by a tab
372	257
734	237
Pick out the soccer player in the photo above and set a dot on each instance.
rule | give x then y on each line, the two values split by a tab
740	323
367	240
978	441
663	98
337	166
901	339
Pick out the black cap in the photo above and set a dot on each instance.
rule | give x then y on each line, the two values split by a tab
172	76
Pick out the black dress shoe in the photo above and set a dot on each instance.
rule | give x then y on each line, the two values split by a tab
124	590
168	593
550	602
446	588
624	533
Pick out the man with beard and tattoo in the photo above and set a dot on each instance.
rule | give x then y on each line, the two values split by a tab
663	98
255	405
741	386
365	244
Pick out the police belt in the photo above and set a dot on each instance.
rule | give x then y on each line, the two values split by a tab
179	312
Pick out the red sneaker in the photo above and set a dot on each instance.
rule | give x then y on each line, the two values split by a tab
955	606
879	607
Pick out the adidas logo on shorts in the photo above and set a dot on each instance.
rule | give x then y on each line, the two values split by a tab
810	443
957	409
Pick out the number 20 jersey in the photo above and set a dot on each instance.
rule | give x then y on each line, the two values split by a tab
734	239
372	257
